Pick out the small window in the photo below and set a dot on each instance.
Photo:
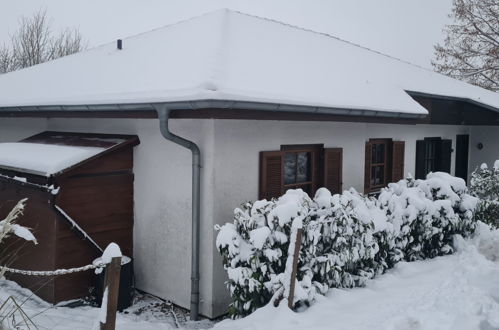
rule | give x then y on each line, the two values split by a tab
432	155
306	167
378	163
298	170
384	163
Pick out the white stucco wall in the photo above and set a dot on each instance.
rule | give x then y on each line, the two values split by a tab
489	137
230	155
15	129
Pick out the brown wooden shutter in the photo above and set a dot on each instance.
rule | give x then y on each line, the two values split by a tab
445	156
398	152
271	174
367	168
462	148
420	159
333	169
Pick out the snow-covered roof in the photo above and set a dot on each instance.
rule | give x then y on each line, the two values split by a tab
227	55
43	159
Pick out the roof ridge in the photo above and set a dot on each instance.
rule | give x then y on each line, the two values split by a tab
149	31
331	36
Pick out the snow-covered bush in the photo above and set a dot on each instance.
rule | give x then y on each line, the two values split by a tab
347	239
424	215
484	184
338	245
254	248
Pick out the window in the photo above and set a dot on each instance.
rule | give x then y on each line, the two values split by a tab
378	163
298	169
306	167
432	155
384	163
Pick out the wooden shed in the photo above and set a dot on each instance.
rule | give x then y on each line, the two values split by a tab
84	178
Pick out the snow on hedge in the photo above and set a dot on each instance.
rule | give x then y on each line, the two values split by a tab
484	184
347	239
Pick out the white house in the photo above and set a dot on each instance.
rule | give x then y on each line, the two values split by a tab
270	106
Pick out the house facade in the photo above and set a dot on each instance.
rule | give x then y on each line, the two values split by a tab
271	107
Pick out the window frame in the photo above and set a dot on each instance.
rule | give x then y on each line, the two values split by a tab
316	154
386	163
326	165
438	161
431	154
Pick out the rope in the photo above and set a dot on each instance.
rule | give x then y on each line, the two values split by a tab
54	272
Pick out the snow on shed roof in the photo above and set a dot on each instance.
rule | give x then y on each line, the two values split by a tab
227	55
43	159
53	152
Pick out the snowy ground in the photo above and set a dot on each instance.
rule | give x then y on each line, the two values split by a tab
458	292
147	313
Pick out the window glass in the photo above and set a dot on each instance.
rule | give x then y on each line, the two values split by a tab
377	175
297	167
289	168
378	154
430	155
303	167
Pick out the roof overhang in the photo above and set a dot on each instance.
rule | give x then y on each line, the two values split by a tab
453	98
54	110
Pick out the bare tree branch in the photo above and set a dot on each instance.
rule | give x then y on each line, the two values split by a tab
470	50
34	43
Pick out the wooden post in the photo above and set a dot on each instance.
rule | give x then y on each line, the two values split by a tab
112	284
296	255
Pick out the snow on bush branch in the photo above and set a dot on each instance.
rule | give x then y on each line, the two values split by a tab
8	227
484	184
347	239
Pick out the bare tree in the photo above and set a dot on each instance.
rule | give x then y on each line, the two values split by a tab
34	43
470	51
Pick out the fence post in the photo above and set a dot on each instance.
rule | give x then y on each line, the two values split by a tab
112	284
296	255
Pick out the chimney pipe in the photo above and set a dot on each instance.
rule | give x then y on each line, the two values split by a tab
120	44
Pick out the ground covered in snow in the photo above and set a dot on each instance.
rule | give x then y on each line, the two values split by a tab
148	313
458	292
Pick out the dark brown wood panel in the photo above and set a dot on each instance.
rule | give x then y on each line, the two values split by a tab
121	160
462	150
398	156
42	221
74	286
333	169
122	237
367	167
99	204
271	174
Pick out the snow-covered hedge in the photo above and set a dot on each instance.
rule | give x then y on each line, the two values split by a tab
347	239
484	184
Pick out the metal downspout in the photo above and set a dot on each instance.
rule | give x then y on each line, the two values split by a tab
164	115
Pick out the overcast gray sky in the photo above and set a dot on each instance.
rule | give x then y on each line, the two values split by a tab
406	29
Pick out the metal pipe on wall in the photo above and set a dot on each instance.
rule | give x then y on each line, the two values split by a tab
164	116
